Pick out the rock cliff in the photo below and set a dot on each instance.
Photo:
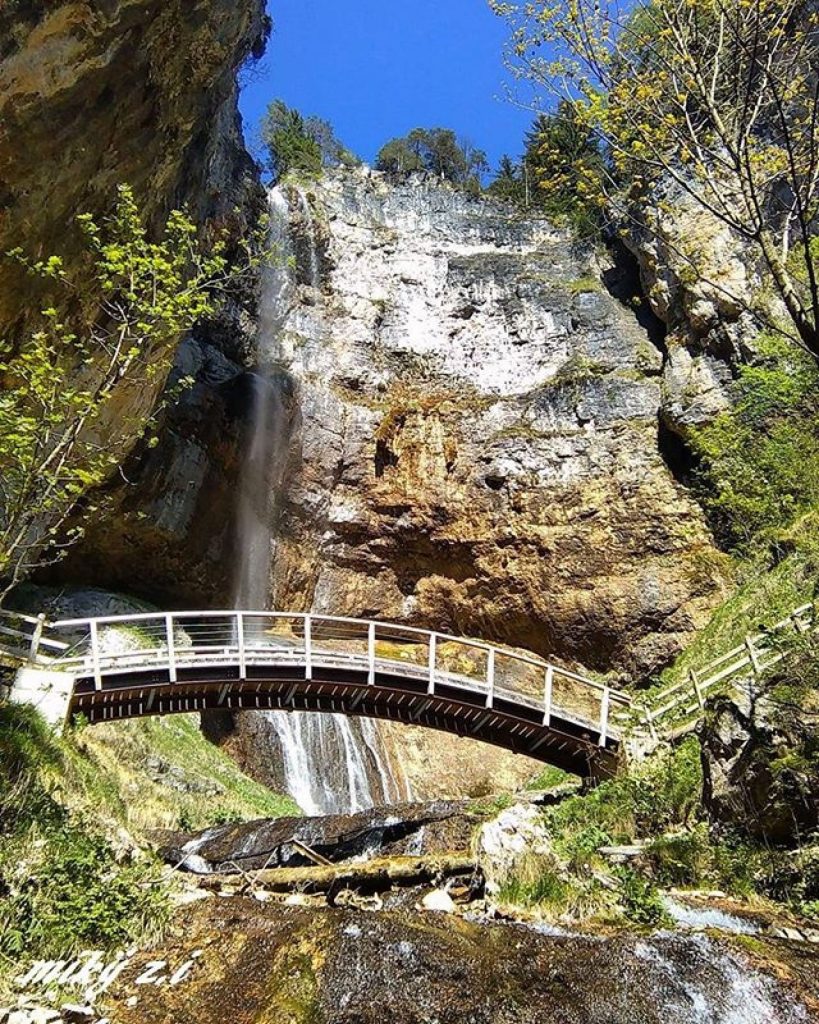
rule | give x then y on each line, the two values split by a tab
144	92
479	441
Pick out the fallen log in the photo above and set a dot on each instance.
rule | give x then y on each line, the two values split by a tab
372	876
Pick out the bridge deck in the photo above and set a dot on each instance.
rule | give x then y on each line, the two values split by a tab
161	663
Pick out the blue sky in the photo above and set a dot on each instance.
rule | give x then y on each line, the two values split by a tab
377	69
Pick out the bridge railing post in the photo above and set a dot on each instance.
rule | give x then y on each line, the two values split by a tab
308	648
371	653
95	654
240	643
171	649
490	678
433	657
36	636
605	701
547	695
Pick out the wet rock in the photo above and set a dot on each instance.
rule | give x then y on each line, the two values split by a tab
339	967
269	844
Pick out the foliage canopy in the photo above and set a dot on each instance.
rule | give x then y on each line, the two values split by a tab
718	98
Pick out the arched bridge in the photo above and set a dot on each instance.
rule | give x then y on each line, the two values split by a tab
161	663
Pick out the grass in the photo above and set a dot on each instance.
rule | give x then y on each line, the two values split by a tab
74	871
585	285
192	786
765	595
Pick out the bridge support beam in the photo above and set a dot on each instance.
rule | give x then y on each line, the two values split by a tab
49	692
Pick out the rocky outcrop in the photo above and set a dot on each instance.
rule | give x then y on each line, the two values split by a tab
760	777
505	845
144	92
701	280
93	95
479	444
250	846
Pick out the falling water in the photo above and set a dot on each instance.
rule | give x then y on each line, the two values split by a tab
331	764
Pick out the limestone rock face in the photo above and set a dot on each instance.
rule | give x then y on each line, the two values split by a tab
700	278
504	845
478	449
96	94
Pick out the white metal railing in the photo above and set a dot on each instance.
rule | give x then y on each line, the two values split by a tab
112	645
752	658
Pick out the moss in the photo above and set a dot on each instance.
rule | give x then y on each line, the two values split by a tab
584	285
294	990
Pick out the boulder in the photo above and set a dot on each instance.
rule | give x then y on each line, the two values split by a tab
753	783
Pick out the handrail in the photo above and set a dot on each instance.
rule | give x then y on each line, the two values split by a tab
749	659
205	632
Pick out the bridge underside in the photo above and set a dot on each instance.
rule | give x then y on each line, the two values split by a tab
508	724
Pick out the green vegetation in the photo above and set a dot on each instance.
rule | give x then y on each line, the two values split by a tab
656	86
295	143
58	437
760	459
658	804
769	586
72	871
64	883
549	778
438	151
192	784
560	160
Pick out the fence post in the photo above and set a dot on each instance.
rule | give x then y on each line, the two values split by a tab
171	648
547	696
696	684
371	654
95	654
240	640
433	655
604	716
308	648
490	678
752	654
36	636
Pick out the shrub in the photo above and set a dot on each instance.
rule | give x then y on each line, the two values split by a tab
78	896
641	901
681	858
60	882
760	460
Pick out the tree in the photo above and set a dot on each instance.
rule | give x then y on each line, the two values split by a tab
436	150
333	151
63	430
509	183
720	98
398	157
563	162
289	146
297	143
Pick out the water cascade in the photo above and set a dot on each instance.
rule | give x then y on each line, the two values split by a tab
331	764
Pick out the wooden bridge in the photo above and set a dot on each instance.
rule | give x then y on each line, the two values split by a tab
162	663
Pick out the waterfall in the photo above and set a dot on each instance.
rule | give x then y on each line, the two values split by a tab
331	764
